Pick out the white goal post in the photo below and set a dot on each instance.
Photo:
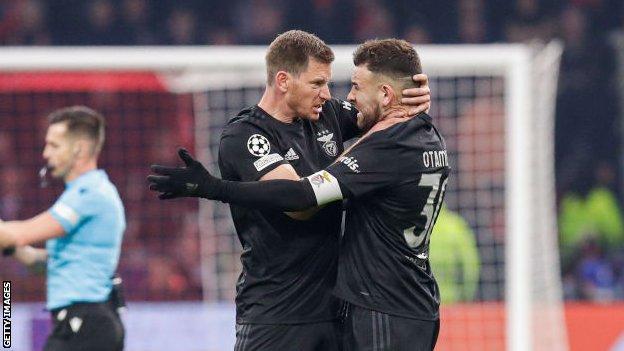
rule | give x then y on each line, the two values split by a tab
532	288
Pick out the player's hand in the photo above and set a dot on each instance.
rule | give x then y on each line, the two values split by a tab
173	182
418	99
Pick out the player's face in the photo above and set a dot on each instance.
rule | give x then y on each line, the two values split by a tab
366	95
59	151
310	90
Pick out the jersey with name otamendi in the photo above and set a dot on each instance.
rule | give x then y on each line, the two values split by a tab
395	181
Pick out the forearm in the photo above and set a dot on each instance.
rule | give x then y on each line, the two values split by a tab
34	230
194	180
279	195
8	234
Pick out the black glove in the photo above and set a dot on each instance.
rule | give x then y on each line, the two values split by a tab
190	181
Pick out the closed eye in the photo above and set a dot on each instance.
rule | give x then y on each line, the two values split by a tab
319	82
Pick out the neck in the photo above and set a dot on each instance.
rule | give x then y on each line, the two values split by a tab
394	110
79	169
274	103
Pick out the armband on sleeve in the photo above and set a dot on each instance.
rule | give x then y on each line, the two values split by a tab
325	186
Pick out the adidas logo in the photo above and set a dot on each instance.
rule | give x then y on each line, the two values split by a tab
291	155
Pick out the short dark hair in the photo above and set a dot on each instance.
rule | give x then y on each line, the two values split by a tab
81	121
394	58
291	51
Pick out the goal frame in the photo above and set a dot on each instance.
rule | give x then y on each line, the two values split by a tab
244	65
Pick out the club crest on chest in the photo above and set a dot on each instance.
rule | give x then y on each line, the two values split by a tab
329	145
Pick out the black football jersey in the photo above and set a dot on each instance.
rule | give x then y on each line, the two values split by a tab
289	266
395	181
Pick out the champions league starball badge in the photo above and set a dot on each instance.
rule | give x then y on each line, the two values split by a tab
258	145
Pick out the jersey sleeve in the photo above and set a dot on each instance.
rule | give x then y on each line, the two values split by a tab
74	207
347	119
248	152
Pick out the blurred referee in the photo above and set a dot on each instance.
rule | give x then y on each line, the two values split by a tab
83	232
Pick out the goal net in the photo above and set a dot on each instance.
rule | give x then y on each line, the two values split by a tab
494	251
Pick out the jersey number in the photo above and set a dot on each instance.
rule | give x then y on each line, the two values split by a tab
430	210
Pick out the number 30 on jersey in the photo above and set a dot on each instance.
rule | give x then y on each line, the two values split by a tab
430	210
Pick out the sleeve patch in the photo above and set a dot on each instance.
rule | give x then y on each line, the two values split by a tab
325	186
258	145
66	213
266	161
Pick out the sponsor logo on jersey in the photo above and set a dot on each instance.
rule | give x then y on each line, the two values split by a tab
258	145
329	146
291	155
266	161
350	162
435	159
319	178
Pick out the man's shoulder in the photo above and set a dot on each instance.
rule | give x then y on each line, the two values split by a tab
400	143
80	199
416	132
248	119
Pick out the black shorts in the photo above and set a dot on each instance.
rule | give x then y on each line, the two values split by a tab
86	326
368	330
321	336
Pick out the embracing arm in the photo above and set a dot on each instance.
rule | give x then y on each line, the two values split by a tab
195	181
278	194
287	172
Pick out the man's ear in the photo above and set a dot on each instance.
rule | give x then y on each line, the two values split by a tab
282	80
388	95
81	146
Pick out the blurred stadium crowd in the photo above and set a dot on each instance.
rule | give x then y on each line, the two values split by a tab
588	123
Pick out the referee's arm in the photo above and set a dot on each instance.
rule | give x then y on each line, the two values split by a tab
29	256
19	234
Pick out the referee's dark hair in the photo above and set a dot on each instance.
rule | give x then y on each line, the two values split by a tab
394	58
291	50
81	121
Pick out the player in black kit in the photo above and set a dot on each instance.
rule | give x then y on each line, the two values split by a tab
395	179
284	293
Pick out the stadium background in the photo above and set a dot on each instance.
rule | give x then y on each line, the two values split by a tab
160	259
